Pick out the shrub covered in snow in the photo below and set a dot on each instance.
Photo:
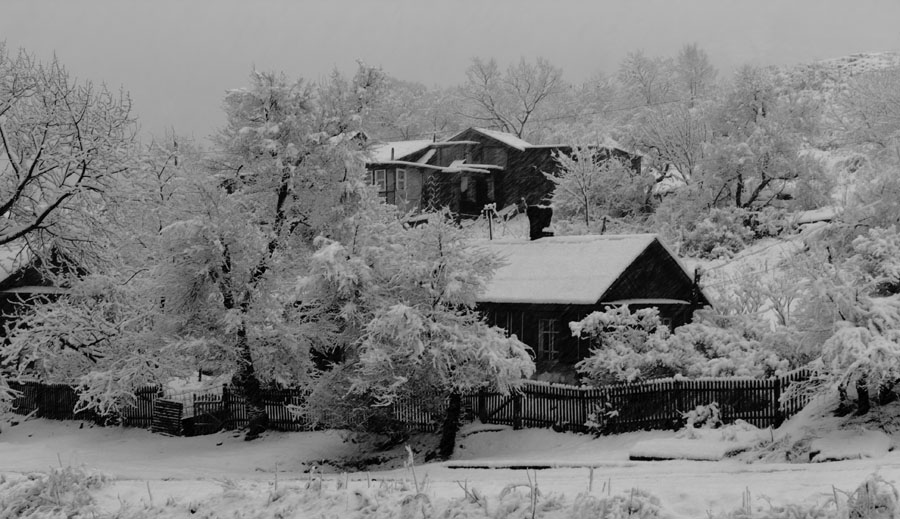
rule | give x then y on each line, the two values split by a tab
630	346
719	234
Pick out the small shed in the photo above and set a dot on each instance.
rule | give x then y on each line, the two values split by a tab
547	283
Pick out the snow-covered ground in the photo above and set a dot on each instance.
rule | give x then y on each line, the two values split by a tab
148	475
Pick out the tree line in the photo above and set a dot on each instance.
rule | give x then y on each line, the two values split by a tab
270	256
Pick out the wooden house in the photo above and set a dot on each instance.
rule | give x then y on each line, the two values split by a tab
25	280
467	171
547	283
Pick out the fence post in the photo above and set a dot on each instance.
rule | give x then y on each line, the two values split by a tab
776	397
517	410
226	406
584	407
482	406
679	403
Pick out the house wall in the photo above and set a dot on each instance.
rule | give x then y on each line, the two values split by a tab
409	199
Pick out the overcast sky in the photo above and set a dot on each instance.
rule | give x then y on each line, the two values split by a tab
177	57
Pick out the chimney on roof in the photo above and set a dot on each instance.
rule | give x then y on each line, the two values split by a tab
539	217
392	153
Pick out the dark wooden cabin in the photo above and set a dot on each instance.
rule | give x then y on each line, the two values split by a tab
25	279
469	170
550	282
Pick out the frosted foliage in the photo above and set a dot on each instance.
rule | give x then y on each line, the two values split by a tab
103	337
405	302
626	346
62	145
636	346
878	257
867	351
589	187
6	395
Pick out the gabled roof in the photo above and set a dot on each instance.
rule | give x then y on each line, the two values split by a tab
381	153
506	138
562	269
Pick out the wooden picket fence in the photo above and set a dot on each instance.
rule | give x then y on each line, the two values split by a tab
655	404
57	401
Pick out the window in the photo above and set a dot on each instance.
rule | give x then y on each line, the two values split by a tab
547	332
401	182
379	180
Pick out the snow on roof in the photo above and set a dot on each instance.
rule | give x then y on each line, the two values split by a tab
506	138
561	269
382	152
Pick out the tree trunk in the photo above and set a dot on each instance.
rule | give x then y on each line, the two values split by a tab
247	383
862	397
451	426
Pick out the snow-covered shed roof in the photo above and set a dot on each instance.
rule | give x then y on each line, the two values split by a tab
562	269
382	152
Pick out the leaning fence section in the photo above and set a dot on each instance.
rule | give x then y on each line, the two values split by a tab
655	404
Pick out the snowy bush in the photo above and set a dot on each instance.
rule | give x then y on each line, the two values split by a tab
637	346
703	416
728	346
599	417
721	233
878	258
626	346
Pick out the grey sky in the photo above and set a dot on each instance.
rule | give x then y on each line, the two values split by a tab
177	57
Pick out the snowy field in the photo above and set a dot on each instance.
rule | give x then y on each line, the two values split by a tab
133	473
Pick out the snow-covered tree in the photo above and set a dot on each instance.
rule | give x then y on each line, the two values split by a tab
62	143
401	304
869	110
108	333
591	184
212	261
674	136
631	346
408	111
621	346
509	101
696	75
854	300
648	80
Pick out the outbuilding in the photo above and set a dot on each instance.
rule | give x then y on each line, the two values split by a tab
547	283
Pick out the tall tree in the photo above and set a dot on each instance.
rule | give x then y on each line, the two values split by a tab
211	286
696	75
408	111
648	80
508	101
869	111
591	183
403	301
62	142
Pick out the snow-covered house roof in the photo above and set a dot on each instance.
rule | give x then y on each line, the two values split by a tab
567	269
396	150
506	138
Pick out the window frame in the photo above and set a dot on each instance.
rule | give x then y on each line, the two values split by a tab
548	332
381	184
400	186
